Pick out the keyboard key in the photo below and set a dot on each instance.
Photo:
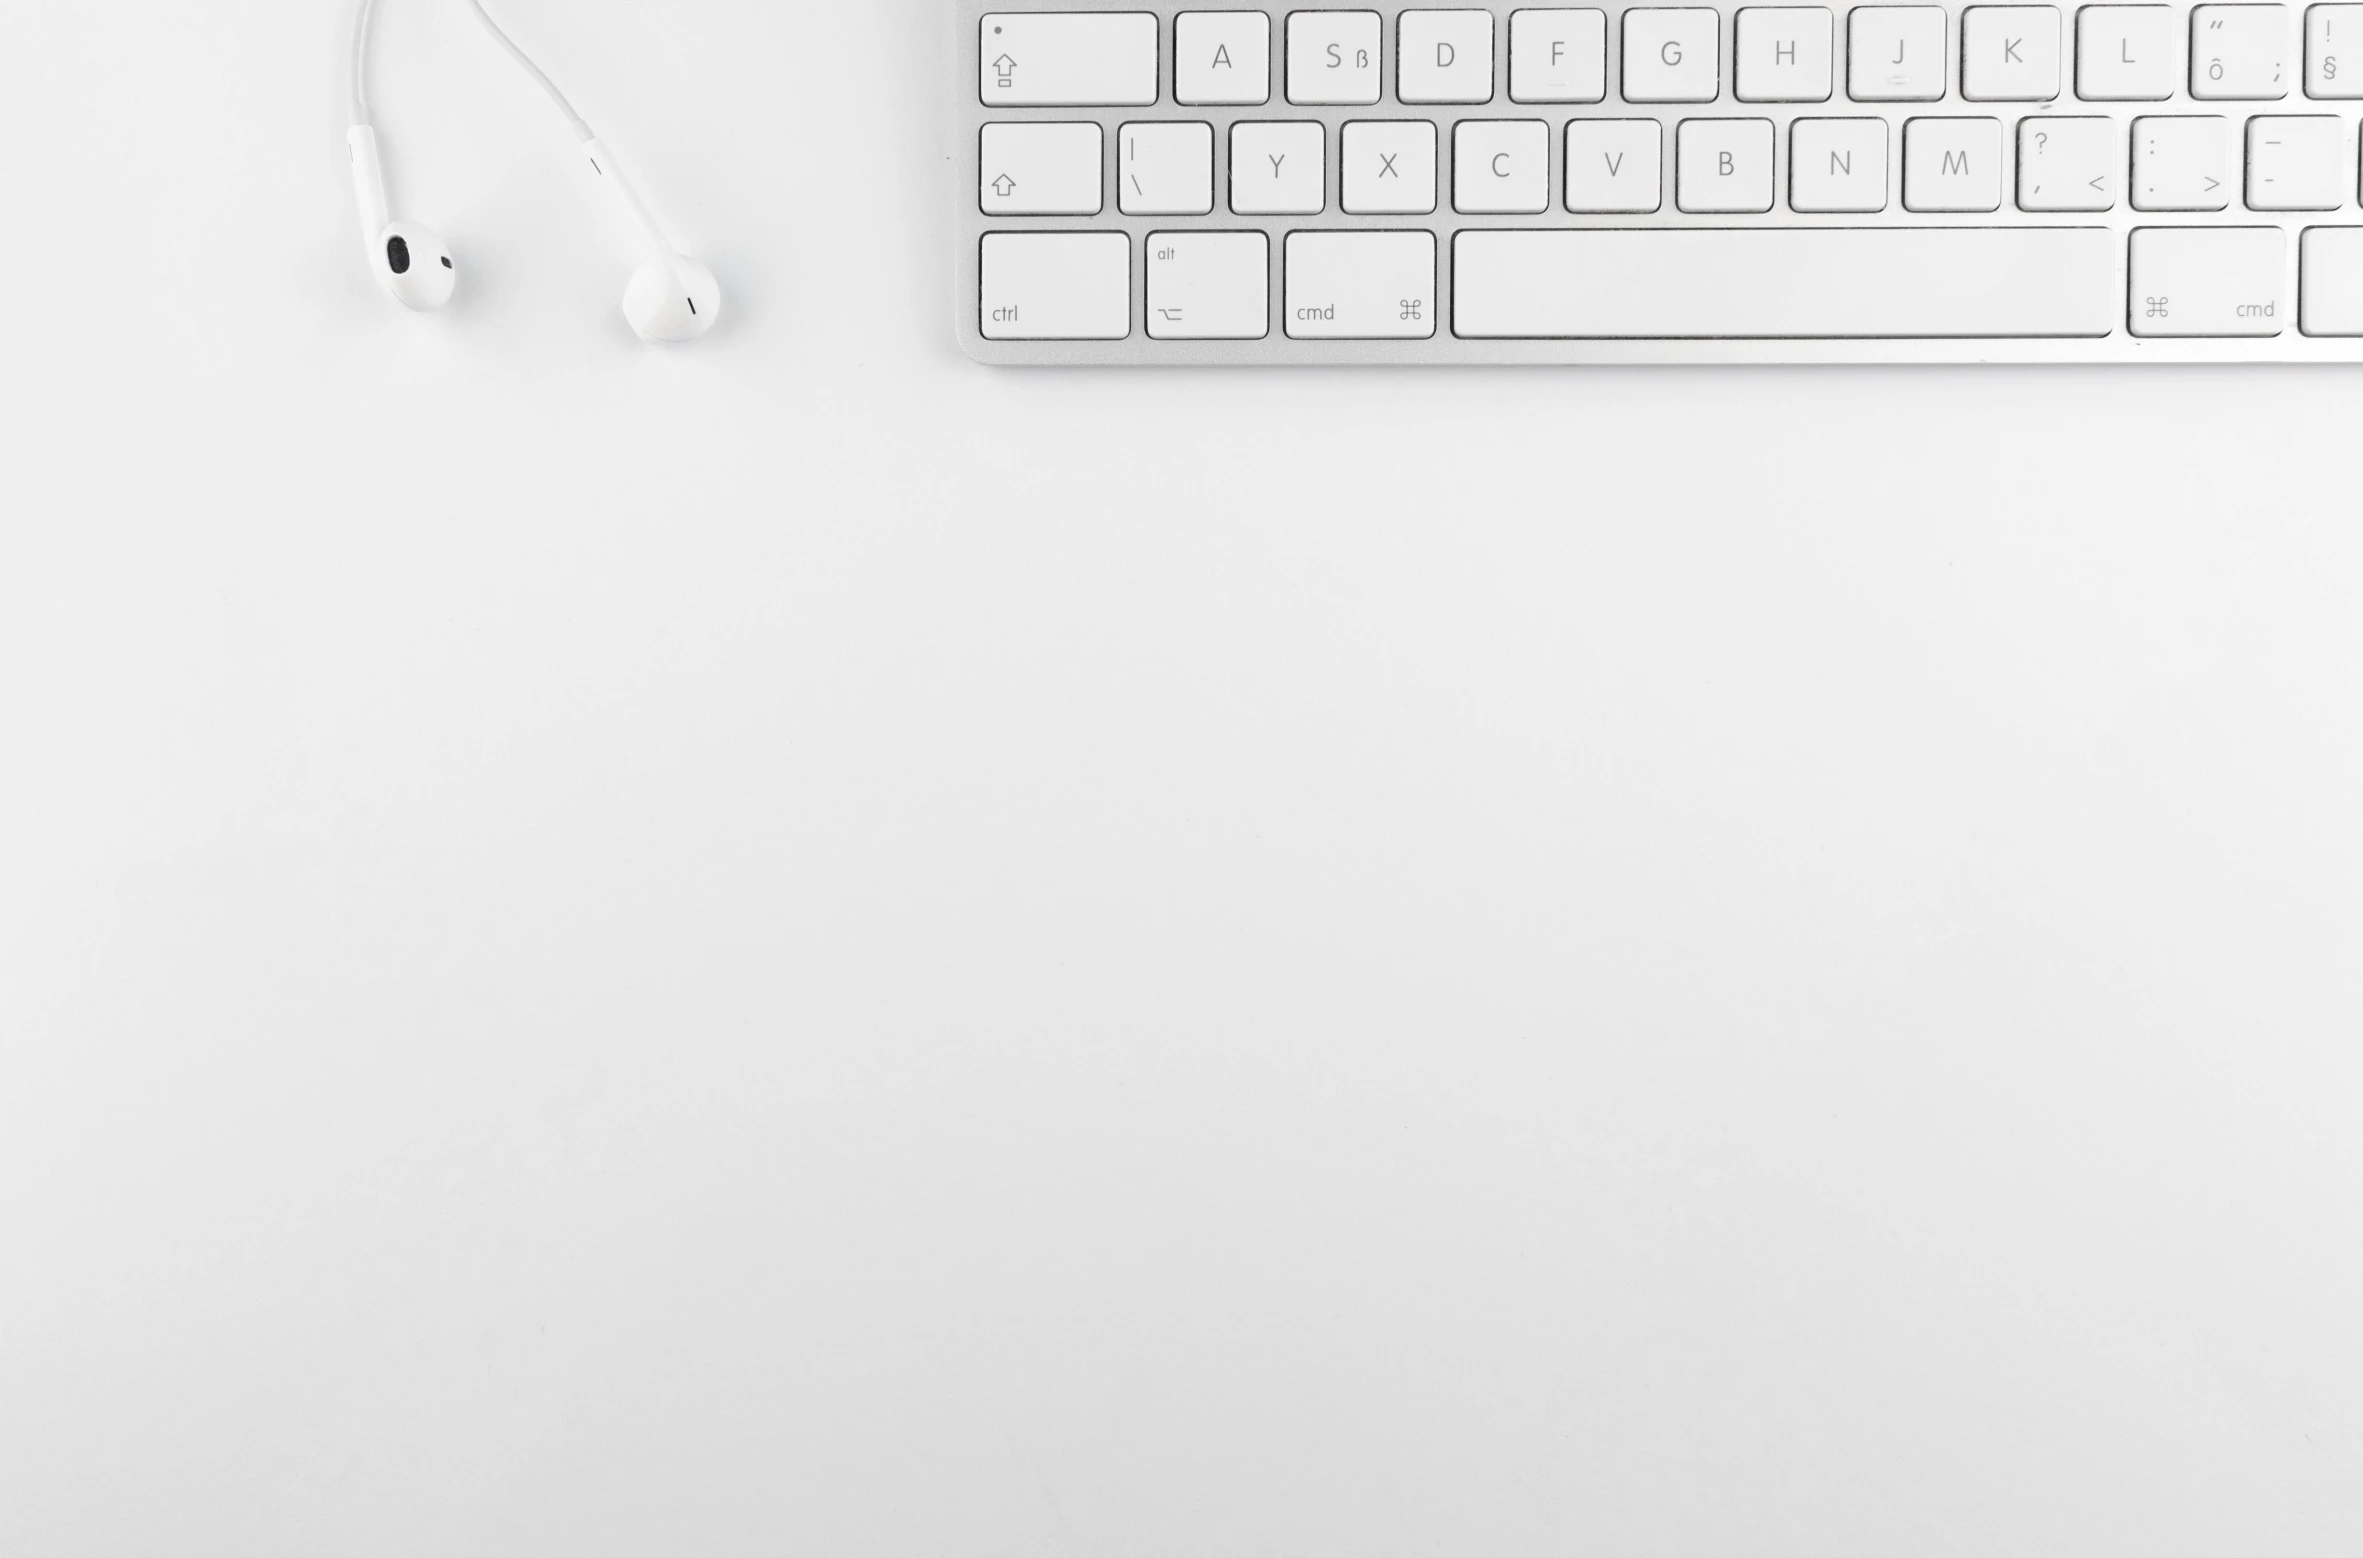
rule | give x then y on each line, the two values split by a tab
2199	281
1222	58
1558	56
1615	165
1390	167
2330	281
1444	57
1786	283
2126	53
1079	59
2182	163
1782	54
1673	56
1165	169
1041	170
1210	286
1723	165
2239	51
1333	57
1361	286
1953	165
1896	54
2296	162
1279	169
1057	287
2067	164
1838	165
2010	53
2331	71
1501	166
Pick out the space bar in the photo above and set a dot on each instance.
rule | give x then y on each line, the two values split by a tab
1785	283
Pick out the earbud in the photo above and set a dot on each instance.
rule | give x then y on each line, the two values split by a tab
410	261
671	298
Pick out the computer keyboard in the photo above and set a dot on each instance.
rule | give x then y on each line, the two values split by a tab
1205	184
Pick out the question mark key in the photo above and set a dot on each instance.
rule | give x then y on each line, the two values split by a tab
2068	164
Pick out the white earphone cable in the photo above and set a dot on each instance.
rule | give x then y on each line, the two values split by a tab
361	16
365	11
535	71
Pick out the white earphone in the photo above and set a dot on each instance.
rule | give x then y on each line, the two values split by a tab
670	298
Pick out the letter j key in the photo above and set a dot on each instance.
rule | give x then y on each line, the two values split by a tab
1896	53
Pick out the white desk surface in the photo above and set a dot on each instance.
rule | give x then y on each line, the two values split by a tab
801	948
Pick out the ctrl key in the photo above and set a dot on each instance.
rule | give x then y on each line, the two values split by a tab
1056	287
2208	281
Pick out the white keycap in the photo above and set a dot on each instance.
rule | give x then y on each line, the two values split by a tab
1723	165
1333	57
1361	286
2068	164
1615	165
1838	165
2182	163
2333	68
2010	53
1501	166
2207	281
1210	286
1279	169
1896	54
2127	53
1444	57
1673	56
1079	59
1797	283
1165	169
1953	165
1782	54
2239	51
2297	162
1057	287
1390	167
1222	58
1041	170
1558	56
2330	281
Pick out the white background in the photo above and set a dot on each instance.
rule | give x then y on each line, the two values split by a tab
798	947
